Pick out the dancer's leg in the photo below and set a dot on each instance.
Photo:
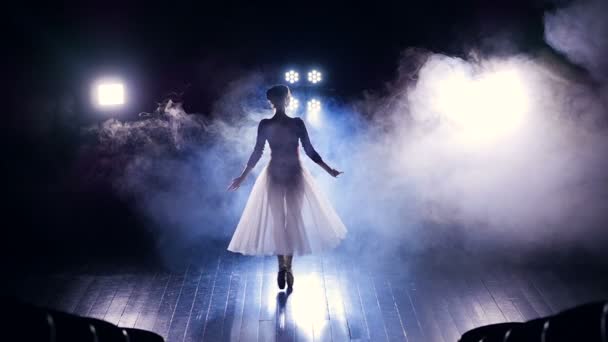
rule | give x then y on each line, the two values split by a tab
282	262
294	225
276	201
282	271
289	274
288	259
294	221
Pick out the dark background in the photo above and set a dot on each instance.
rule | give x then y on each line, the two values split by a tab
165	47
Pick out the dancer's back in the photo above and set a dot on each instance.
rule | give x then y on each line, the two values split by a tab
283	133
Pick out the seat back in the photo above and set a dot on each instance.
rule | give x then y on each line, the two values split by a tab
582	323
529	331
492	332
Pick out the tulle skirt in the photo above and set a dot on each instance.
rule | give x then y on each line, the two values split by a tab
286	216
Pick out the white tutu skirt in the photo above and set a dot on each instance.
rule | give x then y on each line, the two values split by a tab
283	219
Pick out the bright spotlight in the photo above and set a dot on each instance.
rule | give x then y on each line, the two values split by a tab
292	76
110	94
314	77
313	110
293	104
485	106
313	106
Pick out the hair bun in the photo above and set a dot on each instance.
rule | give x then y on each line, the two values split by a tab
277	92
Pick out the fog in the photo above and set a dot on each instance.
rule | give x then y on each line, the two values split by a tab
483	154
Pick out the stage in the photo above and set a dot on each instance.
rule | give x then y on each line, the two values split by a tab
220	296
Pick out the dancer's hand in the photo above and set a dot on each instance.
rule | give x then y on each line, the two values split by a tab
335	172
236	183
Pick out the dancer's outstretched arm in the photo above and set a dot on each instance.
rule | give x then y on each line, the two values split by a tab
312	153
255	156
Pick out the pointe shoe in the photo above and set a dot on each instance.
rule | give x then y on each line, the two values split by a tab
289	278
281	278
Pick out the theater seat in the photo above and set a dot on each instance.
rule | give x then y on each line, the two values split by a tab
582	323
26	322
488	333
529	331
138	335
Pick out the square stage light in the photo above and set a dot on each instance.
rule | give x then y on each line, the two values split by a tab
110	94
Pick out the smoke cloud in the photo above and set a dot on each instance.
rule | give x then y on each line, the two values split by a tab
480	154
580	31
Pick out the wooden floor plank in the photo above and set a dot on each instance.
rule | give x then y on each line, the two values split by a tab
436	295
200	305
168	304
514	294
531	293
371	308
321	324
457	307
268	302
469	299
121	298
147	316
88	298
218	302
137	300
424	309
236	301
251	313
492	311
183	307
109	286
409	317
554	293
352	304
497	291
390	313
335	302
269	289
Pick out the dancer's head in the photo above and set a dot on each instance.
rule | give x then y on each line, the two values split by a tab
279	96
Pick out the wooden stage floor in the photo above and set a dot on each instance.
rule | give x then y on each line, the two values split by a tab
228	297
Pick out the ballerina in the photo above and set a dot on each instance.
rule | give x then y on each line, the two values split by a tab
286	214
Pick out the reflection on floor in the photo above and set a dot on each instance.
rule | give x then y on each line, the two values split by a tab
336	298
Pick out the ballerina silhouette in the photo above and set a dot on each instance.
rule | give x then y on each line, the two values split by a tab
286	214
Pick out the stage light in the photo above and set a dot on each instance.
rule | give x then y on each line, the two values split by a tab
293	104
292	76
313	106
314	77
484	106
110	94
313	110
